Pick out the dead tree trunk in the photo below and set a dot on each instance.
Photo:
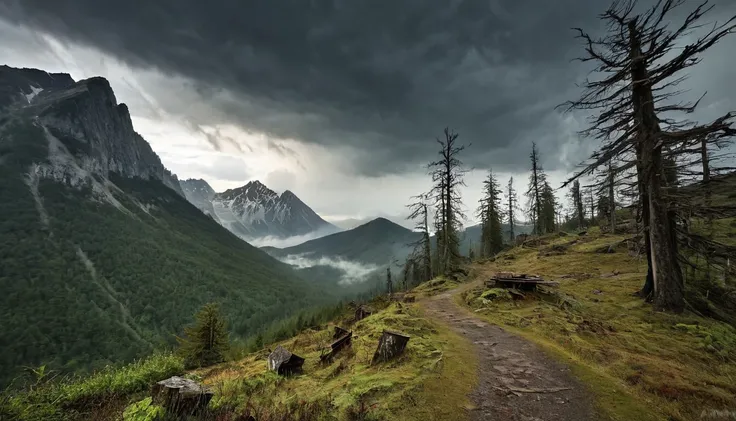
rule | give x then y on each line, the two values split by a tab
611	193
648	289
667	276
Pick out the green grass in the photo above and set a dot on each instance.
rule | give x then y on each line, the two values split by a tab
429	381
78	398
640	364
436	286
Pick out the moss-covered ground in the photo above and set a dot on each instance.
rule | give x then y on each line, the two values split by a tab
640	364
429	381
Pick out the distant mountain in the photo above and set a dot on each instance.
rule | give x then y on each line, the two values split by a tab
199	193
254	211
350	223
375	242
356	258
101	257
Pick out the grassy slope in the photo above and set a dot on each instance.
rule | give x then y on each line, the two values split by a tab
640	364
430	381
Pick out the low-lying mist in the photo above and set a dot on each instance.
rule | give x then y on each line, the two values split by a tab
283	242
353	272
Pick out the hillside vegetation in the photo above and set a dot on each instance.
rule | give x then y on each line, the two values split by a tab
89	282
429	381
641	364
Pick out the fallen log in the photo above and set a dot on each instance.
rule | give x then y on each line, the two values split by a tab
342	342
519	281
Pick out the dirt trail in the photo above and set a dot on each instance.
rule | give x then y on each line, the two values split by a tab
517	381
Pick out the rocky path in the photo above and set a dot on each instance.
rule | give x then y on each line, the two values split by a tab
517	381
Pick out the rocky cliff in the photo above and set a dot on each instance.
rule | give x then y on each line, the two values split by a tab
89	124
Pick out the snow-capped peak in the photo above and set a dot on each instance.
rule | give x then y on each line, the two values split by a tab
254	210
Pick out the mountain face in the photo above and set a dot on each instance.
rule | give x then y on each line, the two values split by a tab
100	142
199	193
102	259
20	86
376	242
357	259
254	211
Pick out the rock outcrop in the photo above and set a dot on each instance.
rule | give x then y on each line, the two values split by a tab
87	119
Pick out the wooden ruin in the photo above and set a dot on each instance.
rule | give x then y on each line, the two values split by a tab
180	396
390	345
284	362
339	332
343	338
362	312
518	281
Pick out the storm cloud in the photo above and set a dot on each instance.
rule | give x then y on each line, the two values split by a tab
374	80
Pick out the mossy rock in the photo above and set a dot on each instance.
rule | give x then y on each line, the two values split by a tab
496	294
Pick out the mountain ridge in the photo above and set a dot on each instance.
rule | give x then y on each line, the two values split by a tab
96	236
375	242
254	211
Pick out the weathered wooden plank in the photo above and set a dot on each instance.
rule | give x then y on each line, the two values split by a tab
342	342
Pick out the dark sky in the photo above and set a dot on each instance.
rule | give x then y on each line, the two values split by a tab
378	77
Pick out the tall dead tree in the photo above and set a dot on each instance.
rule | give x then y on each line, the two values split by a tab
448	176
612	195
422	247
512	204
639	64
590	197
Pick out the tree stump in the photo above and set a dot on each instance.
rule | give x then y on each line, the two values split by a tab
284	362
180	396
390	345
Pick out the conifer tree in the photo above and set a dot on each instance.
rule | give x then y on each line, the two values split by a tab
577	203
548	209
489	211
448	176
537	180
422	248
389	282
207	341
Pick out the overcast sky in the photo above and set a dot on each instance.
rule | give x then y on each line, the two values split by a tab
338	101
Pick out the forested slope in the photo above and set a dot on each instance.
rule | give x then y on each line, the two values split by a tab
99	267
